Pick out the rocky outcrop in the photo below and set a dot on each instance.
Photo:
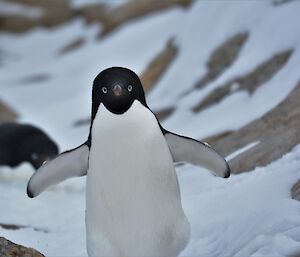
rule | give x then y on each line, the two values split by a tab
6	114
54	13
9	226
10	249
249	82
223	57
135	9
57	12
158	66
277	132
72	46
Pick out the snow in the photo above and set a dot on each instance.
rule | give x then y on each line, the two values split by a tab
250	214
241	150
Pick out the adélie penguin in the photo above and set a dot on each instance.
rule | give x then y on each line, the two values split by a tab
133	203
25	143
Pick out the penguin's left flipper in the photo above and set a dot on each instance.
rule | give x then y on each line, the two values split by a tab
73	163
185	149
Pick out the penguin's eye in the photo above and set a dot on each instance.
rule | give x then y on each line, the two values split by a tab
129	88
104	90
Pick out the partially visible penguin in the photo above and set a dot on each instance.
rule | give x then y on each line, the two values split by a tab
133	203
25	143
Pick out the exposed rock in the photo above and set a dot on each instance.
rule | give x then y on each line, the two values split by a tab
82	122
38	78
72	46
250	82
6	114
17	227
40	3
9	249
165	113
278	131
280	2
93	12
111	19
158	66
16	23
223	57
11	226
214	139
57	12
296	191
135	9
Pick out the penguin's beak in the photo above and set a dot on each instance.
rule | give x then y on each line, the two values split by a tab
117	90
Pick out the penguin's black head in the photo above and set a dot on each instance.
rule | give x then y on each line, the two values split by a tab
117	88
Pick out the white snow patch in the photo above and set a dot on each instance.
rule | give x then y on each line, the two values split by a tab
241	150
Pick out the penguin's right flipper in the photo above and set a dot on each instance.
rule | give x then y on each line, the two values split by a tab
185	149
73	163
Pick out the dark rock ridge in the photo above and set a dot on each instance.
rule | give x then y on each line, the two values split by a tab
17	227
249	82
10	249
158	66
223	57
6	114
57	12
72	46
278	131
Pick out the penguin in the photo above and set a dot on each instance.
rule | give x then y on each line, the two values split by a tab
25	143
133	202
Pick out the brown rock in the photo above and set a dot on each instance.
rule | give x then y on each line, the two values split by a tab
56	12
250	82
165	113
93	12
158	66
223	57
280	2
82	122
17	23
6	114
10	226
278	132
135	9
9	249
296	191
72	46
37	78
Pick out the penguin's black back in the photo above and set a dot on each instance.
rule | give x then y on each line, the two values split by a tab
22	142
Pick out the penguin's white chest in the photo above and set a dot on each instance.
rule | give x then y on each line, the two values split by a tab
133	199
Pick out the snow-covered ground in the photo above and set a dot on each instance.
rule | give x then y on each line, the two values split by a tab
251	214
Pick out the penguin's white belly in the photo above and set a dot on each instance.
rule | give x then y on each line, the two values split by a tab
133	199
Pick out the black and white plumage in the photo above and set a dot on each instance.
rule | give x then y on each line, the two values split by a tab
132	194
25	143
